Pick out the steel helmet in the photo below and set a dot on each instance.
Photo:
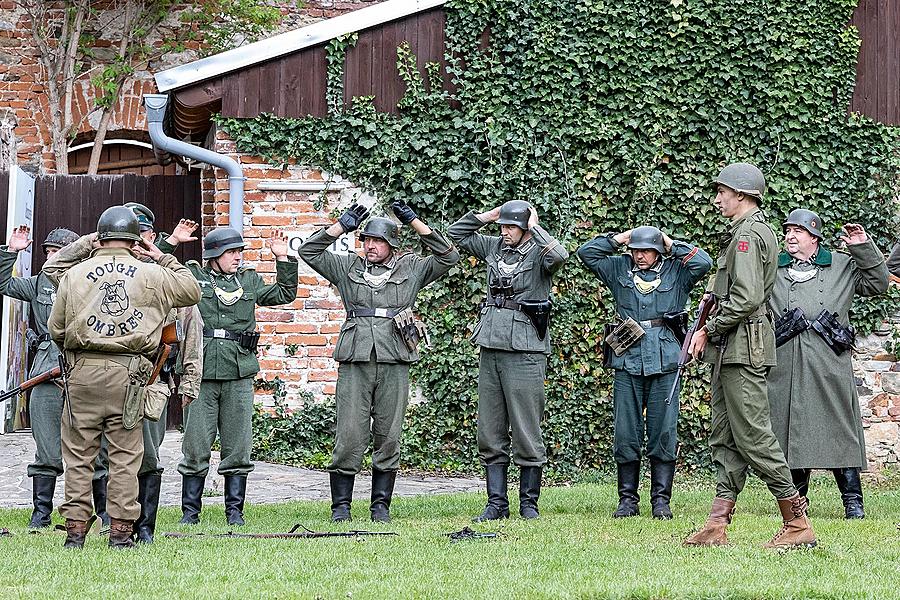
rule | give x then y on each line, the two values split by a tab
647	237
515	212
59	238
219	240
118	223
806	219
382	229
744	178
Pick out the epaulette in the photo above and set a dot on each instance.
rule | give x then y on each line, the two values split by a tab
193	263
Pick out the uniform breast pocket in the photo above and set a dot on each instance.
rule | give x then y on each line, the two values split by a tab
244	308
625	294
393	294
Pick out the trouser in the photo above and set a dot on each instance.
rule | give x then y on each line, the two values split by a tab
741	434
226	406
632	395
97	396
511	398
371	399
45	408
153	432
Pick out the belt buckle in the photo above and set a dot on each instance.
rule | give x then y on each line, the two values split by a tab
498	301
381	312
646	324
219	333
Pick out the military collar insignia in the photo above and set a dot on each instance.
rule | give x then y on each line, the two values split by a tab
822	258
522	248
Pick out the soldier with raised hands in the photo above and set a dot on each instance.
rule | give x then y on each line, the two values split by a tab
514	341
377	343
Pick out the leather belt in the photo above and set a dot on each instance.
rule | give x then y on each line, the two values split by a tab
222	334
381	313
501	302
652	323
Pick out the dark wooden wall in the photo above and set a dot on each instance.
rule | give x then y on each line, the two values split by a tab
120	158
877	92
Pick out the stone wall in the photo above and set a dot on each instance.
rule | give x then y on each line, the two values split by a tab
878	384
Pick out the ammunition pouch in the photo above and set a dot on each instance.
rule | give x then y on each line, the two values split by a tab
624	335
139	370
790	325
677	322
246	339
411	329
839	338
155	402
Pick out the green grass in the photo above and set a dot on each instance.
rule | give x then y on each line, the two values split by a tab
576	550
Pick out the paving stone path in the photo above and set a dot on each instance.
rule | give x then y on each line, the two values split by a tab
270	483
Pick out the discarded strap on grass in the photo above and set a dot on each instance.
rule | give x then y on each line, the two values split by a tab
292	534
4	532
467	533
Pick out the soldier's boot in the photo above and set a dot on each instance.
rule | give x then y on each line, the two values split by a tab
662	474
382	490
498	502
796	530
42	488
628	475
76	531
121	534
191	498
713	531
800	477
98	490
529	491
235	493
148	497
341	496
850	485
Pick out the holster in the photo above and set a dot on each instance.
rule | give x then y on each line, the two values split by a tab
538	312
624	335
411	330
790	325
839	338
138	373
677	322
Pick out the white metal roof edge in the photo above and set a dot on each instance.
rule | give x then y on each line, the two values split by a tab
292	41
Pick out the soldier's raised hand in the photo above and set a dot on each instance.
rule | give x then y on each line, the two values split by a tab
532	217
403	212
147	250
624	237
278	244
490	216
855	234
20	238
353	217
184	231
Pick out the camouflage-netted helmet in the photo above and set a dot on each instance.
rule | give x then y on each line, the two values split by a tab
118	223
383	229
647	238
219	240
806	219
59	238
144	215
515	212
744	178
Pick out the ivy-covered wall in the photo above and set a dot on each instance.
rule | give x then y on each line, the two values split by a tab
605	115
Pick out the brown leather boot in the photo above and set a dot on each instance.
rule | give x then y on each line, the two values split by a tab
713	532
797	531
120	534
76	531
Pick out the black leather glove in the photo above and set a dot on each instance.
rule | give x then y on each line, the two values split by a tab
353	216
404	212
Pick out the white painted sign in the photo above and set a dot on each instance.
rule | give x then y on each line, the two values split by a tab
343	245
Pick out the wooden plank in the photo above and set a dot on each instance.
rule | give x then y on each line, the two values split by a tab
231	95
358	67
386	82
430	46
892	68
290	94
314	82
269	87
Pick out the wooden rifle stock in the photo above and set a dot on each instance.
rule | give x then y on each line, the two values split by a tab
172	333
30	383
707	303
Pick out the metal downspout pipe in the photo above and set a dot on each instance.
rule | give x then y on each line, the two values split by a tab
155	105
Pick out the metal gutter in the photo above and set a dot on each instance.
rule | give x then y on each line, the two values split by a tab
292	41
155	105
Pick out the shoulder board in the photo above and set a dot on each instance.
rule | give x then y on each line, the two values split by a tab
243	269
193	263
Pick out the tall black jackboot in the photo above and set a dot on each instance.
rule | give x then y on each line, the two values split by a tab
235	492
800	478
662	474
382	490
628	474
42	488
341	496
148	498
850	484
191	498
98	488
529	491
498	501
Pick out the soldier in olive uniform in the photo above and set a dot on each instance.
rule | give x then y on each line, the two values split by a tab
893	262
514	343
372	352
231	293
651	285
108	319
812	390
46	402
742	349
186	361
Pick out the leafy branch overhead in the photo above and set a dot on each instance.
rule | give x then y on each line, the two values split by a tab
605	115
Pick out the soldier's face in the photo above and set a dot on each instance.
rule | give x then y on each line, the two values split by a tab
50	251
511	234
229	261
377	250
799	243
148	235
727	201
644	258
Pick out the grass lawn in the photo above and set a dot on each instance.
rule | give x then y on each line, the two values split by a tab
576	550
